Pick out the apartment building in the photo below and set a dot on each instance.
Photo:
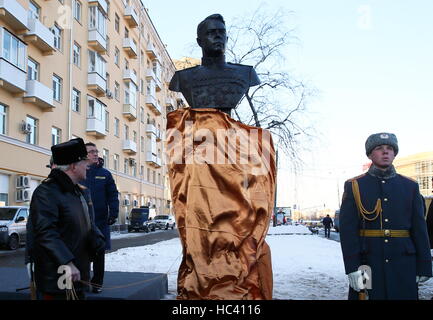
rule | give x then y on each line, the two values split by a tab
92	69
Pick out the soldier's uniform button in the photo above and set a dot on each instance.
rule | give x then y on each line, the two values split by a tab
387	233
386	220
386	199
386	240
386	260
383	181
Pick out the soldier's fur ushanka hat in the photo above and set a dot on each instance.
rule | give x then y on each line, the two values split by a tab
378	139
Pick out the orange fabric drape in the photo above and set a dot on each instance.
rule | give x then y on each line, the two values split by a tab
222	210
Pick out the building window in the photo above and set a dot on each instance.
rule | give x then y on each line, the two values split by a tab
56	134
126	132
142	86
134	136
141	171
77	10
126	166
116	127
58	32
3	119
107	80
96	109
116	56
117	91
34	10
97	63
106	157
148	175
142	144
153	176
31	137
32	69
131	94
107	120
159	178
142	115
108	45
57	88
116	162
97	20
116	23
134	170
77	55
126	33
14	50
76	96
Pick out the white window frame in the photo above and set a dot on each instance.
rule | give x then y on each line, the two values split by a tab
14	50
97	64
116	127
56	136
32	69
96	109
76	100
57	88
58	34
97	20
78	10
3	118
77	54
32	136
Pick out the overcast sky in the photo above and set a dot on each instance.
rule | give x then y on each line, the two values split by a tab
371	61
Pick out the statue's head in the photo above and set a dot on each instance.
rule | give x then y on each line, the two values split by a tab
211	35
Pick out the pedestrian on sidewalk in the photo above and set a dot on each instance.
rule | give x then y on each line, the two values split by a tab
105	198
382	228
327	223
60	230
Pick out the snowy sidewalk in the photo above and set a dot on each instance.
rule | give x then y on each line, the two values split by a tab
305	267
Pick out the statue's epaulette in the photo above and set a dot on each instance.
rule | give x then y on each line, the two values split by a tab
409	178
356	178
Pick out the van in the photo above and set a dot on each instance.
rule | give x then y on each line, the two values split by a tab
13	220
139	220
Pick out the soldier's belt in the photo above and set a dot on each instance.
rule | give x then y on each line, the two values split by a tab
384	233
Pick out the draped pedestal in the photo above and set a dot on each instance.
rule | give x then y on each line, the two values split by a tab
222	179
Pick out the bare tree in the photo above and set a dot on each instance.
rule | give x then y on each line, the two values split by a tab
279	102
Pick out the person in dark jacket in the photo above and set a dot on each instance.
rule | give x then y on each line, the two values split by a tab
62	236
105	199
383	233
327	223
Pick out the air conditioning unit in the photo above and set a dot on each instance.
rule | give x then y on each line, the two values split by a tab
132	162
109	94
26	127
126	202
23	182
22	195
135	203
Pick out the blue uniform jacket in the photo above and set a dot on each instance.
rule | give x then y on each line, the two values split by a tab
394	262
104	197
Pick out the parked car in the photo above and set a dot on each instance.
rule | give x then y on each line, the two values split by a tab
337	221
13	220
164	222
139	220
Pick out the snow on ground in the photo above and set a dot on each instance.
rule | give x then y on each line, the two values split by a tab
305	267
118	235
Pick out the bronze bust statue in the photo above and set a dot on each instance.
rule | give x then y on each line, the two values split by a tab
215	83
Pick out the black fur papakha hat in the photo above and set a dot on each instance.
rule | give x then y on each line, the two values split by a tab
69	152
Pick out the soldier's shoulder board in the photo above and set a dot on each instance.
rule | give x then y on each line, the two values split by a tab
356	178
408	178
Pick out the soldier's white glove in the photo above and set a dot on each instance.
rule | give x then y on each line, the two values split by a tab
421	279
356	280
30	269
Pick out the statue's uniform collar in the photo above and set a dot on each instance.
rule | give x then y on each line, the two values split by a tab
213	61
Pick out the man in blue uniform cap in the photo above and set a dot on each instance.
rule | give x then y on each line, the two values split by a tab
383	232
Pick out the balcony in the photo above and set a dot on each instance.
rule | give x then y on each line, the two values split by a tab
102	3
151	51
12	78
158	135
153	105
129	146
150	128
130	47
39	94
129	75
96	83
131	17
97	41
158	84
95	127
129	111
40	36
14	15
153	160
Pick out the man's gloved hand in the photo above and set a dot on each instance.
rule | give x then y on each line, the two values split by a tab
30	269
421	279
356	280
111	221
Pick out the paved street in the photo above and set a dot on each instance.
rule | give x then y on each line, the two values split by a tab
16	258
333	235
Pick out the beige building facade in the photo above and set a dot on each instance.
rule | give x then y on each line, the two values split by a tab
92	69
418	167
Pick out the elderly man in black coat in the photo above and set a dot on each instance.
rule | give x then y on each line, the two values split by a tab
62	230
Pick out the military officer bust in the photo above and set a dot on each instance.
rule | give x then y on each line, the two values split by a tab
215	83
